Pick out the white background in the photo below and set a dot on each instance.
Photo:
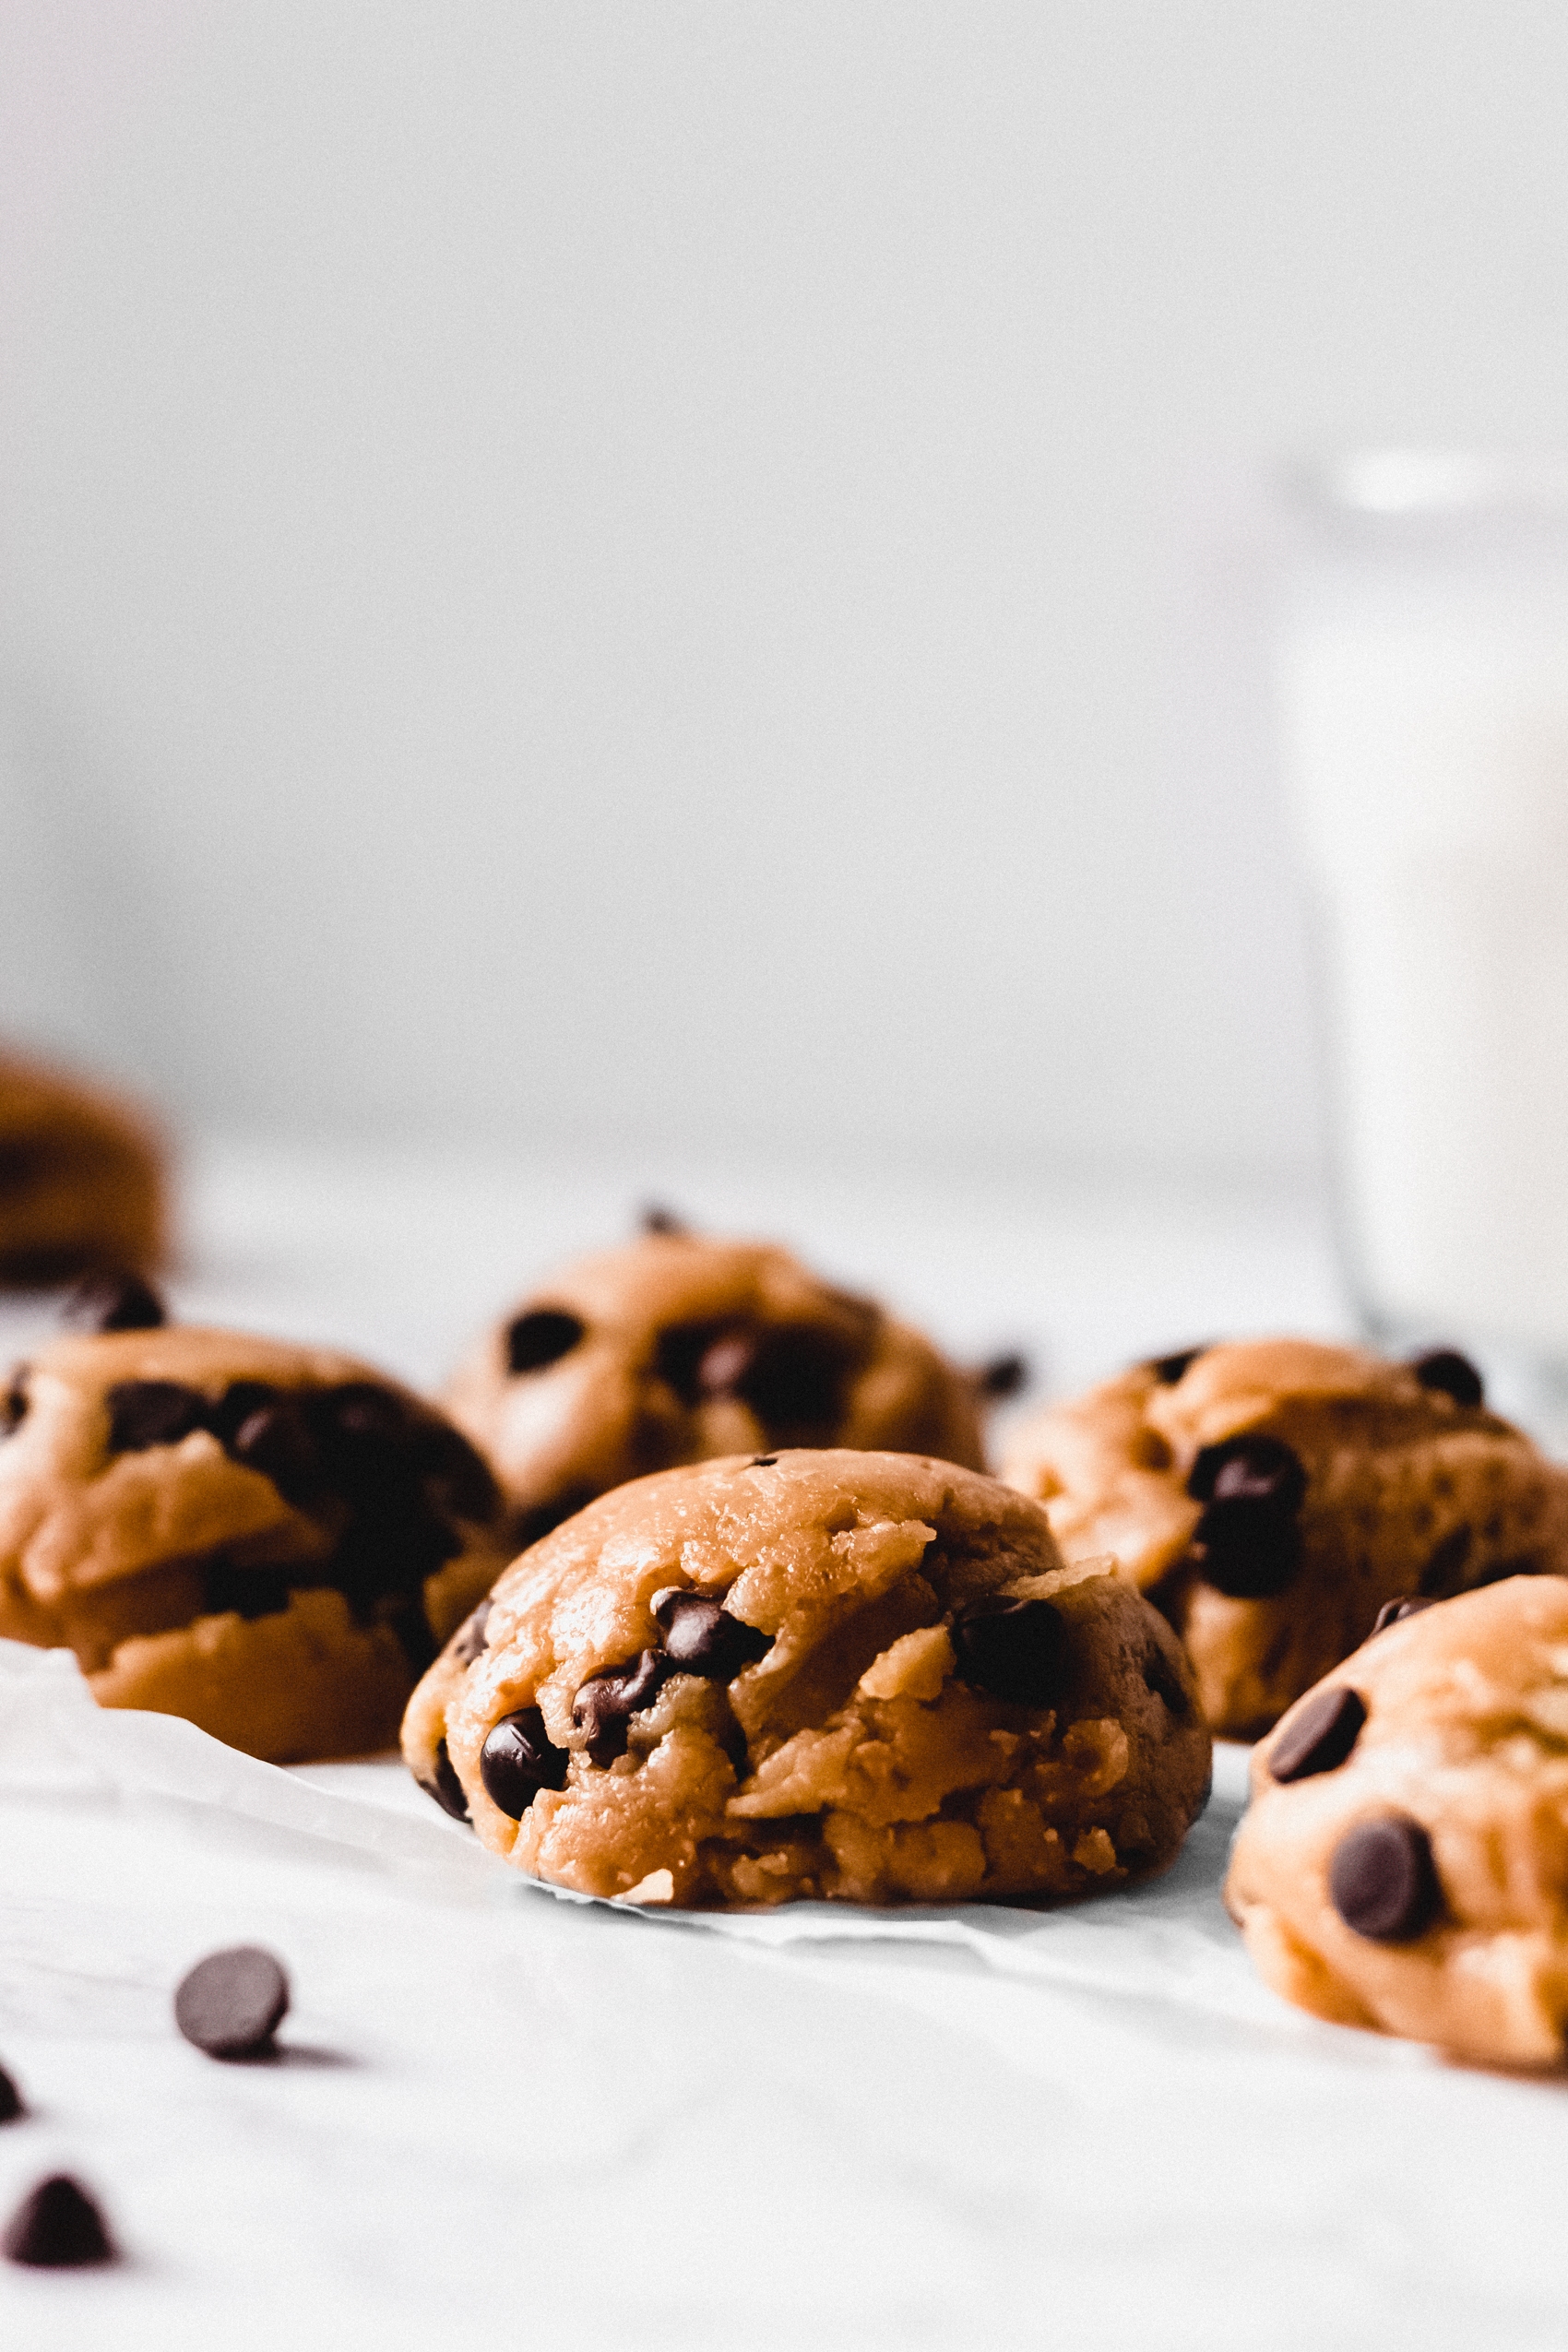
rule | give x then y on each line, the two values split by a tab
581	571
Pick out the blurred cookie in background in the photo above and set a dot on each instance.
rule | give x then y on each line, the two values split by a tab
679	1349
1270	1496
271	1540
83	1179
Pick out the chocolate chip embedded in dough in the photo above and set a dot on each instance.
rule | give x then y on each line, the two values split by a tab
542	1337
1448	1373
275	1439
1162	1679
605	1702
456	1468
518	1759
703	1638
14	1404
1016	1649
469	1642
234	1407
250	1592
1247	1544
446	1788
232	2002
1318	1735
1441	1576
764	1461
1169	1370
1393	1612
657	1219
1002	1376
143	1413
11	2105
726	1362
57	2226
1383	1879
114	1301
795	1379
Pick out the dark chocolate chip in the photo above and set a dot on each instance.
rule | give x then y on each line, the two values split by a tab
1251	1468
1393	1612
469	1642
232	2002
542	1337
234	1407
458	1468
1169	1370
1017	1649
275	1439
1383	1882
518	1759
14	1404
764	1461
725	1364
152	1412
1247	1544
655	1218
11	2100
1452	1374
446	1788
703	1638
109	1302
57	2226
1443	1570
1318	1735
250	1592
1164	1680
1002	1376
795	1380
606	1702
678	1356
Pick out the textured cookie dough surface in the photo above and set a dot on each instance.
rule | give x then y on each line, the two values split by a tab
271	1540
81	1179
1271	1496
1404	1864
856	1675
679	1349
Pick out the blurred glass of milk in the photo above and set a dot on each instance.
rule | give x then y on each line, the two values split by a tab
1422	662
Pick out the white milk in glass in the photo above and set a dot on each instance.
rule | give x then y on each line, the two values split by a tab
1423	679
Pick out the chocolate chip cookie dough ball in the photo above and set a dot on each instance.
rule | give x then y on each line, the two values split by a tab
678	1349
862	1676
1271	1496
268	1540
1402	1864
81	1179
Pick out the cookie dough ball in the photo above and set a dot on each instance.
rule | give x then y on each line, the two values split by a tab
1271	1496
1402	1865
271	1540
679	1349
862	1676
81	1179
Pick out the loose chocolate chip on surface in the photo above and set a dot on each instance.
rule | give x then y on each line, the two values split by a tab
1002	1376
1383	1882
109	1302
152	1412
518	1759
703	1638
606	1702
57	2226
542	1337
1319	1735
11	2100
446	1788
1452	1374
1017	1649
232	2002
1247	1544
1169	1370
469	1643
1402	1606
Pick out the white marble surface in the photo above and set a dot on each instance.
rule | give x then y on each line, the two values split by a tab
502	2116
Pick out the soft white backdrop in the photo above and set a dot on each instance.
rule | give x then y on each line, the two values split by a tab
579	572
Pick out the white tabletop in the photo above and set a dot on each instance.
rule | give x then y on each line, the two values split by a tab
501	2116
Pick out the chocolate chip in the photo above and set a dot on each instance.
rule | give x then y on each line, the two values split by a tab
725	1364
657	1219
1450	1374
11	2100
275	1439
542	1337
764	1462
57	2226
446	1788
469	1643
1446	1566
606	1702
1017	1649
458	1468
703	1638
232	2002
234	1407
795	1380
1383	1882
518	1759
1163	1680
152	1412
1002	1376
110	1302
250	1592
14	1404
1318	1735
1394	1613
1169	1370
1247	1544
